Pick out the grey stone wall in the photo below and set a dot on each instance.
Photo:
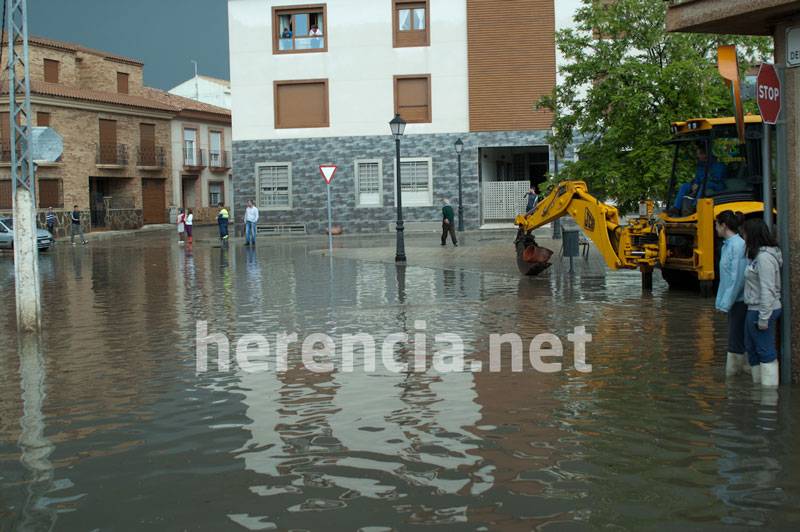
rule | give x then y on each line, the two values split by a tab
308	187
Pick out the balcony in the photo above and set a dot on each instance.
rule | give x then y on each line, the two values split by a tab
112	156
151	158
193	159
219	161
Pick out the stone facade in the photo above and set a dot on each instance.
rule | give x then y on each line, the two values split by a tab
308	187
80	131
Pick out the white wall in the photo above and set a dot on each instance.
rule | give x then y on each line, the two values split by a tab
360	64
209	92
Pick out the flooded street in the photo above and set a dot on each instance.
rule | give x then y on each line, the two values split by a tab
105	423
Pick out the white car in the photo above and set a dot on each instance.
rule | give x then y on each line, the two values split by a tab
43	237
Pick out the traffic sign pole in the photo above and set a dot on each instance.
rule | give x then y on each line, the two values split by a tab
766	185
330	222
328	171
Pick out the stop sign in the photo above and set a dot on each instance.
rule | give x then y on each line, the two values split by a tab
768	93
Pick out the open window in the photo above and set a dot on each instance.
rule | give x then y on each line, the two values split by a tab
410	22
299	29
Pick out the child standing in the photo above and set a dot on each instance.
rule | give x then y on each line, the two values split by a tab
189	223
181	225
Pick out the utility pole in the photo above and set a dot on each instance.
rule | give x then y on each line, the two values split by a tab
196	82
26	264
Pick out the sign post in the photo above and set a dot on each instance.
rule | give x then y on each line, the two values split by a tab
327	171
768	95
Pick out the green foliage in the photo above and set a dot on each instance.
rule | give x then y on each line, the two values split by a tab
625	79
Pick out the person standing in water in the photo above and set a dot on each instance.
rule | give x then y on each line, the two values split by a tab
730	295
762	294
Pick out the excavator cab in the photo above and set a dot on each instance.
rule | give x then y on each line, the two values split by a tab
711	172
709	162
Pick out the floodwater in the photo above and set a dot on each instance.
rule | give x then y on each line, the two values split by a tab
105	424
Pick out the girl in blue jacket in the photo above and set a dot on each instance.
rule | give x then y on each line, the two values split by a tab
730	294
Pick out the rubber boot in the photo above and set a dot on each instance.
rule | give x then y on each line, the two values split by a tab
769	374
734	364
755	371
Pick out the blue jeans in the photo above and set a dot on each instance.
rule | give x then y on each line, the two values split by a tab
760	344
683	191
250	232
223	228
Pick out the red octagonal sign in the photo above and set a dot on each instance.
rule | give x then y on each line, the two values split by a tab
768	93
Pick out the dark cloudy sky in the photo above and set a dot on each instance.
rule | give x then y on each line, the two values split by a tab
164	34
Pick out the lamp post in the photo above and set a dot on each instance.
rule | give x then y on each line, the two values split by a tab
398	126
459	149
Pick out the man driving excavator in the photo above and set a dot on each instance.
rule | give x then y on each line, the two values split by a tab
686	198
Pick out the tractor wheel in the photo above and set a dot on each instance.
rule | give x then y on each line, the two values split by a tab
680	279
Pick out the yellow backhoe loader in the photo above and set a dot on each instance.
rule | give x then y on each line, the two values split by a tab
716	167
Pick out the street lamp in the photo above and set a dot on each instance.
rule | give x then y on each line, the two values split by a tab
459	149
398	126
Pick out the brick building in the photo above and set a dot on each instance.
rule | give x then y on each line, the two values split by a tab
452	68
119	138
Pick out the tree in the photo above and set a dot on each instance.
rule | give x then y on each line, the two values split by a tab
625	80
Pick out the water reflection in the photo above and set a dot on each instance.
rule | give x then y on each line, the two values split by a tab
123	430
35	447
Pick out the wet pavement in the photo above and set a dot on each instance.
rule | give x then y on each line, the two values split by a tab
106	425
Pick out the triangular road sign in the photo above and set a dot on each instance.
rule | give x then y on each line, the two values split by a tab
327	171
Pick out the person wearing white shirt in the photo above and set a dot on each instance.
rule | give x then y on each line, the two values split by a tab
250	219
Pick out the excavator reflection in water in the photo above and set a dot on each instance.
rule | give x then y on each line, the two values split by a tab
712	171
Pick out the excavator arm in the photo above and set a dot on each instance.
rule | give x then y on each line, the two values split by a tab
640	244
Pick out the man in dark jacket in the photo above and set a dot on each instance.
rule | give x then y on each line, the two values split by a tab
448	223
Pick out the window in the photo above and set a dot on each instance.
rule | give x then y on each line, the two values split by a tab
369	183
108	142
189	147
122	82
215	149
216	193
274	186
5	194
51	70
412	98
147	144
299	29
42	119
416	182
301	104
50	193
410	19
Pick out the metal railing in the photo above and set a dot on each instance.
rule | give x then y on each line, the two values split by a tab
155	157
114	154
195	158
219	159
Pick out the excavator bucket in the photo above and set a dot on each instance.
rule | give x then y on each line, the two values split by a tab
532	259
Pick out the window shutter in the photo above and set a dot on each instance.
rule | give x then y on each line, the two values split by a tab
412	96
51	71
5	194
50	193
43	119
108	141
122	82
301	104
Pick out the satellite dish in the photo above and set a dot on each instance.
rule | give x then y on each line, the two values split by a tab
47	145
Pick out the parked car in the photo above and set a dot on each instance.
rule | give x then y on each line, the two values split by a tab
43	237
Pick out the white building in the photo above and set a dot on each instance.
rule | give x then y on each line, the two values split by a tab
201	158
452	68
213	91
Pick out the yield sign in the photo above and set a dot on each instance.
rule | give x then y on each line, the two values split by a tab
327	171
768	93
